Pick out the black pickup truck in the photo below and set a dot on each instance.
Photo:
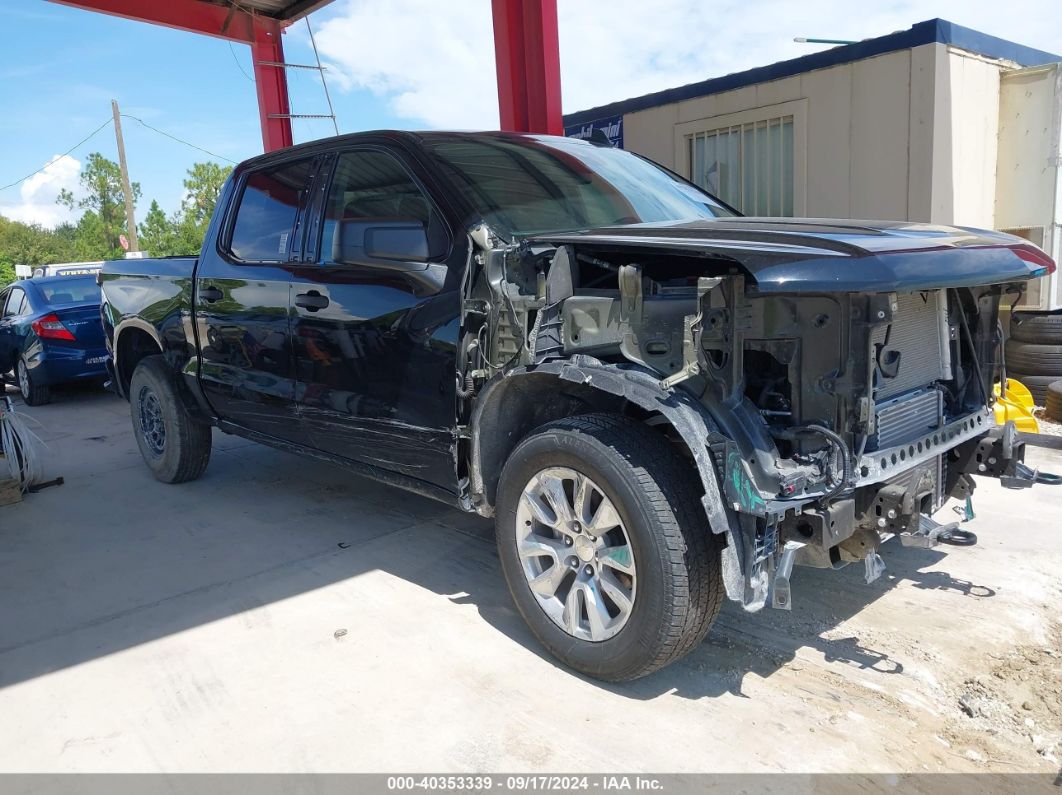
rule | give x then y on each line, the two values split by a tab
659	401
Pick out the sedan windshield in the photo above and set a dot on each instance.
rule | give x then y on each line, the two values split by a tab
525	186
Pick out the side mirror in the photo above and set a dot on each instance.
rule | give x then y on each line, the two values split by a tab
367	241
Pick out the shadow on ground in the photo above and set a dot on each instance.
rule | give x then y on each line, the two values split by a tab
114	559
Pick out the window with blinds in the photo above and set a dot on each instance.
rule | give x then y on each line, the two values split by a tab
749	166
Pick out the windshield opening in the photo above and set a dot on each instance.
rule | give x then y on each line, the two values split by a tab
532	186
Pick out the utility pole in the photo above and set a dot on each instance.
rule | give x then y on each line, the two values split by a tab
127	189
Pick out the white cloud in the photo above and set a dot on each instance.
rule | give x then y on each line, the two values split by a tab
434	63
38	193
626	48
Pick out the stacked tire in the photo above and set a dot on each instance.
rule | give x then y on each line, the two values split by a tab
1054	401
1034	352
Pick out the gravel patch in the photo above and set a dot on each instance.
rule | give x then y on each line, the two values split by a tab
1047	426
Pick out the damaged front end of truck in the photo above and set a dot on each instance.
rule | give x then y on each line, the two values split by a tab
831	382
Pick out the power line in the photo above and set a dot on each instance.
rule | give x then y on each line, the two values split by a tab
84	140
175	138
320	69
238	64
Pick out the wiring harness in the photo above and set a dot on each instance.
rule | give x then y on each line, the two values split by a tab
847	467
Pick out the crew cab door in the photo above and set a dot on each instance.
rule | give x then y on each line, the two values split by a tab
376	316
242	301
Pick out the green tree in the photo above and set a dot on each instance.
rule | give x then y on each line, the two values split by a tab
183	232
29	244
95	234
66	235
93	240
158	234
203	186
104	218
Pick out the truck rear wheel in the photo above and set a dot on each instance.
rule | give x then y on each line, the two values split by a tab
175	446
605	547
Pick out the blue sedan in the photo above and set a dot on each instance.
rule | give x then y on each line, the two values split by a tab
50	333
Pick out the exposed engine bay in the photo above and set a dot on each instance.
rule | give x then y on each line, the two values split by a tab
832	421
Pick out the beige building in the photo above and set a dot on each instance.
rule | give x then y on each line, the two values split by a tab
937	123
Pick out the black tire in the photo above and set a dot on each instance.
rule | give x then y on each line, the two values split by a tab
182	451
1034	358
1036	384
657	495
1041	327
1053	401
33	394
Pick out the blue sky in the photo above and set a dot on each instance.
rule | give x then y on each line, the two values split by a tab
392	63
60	67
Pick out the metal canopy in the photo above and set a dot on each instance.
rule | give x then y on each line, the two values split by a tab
525	38
283	10
227	19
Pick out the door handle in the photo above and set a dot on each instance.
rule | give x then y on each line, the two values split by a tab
210	294
311	301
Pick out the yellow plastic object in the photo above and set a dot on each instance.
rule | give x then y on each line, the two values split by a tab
1015	405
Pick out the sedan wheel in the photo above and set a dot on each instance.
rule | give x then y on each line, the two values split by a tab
575	554
33	394
23	379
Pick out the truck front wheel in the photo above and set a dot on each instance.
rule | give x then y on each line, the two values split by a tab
175	446
605	546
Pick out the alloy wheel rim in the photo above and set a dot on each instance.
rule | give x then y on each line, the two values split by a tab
23	380
576	554
152	426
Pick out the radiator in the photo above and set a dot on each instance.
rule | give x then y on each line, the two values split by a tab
906	417
919	333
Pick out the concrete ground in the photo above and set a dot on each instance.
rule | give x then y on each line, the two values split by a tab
282	615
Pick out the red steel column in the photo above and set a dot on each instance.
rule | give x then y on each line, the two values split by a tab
272	85
527	56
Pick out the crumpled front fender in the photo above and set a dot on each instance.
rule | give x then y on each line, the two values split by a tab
696	428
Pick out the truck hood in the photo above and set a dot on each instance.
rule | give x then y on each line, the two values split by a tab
823	255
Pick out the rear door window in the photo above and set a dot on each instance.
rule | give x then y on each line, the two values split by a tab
16	303
268	209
